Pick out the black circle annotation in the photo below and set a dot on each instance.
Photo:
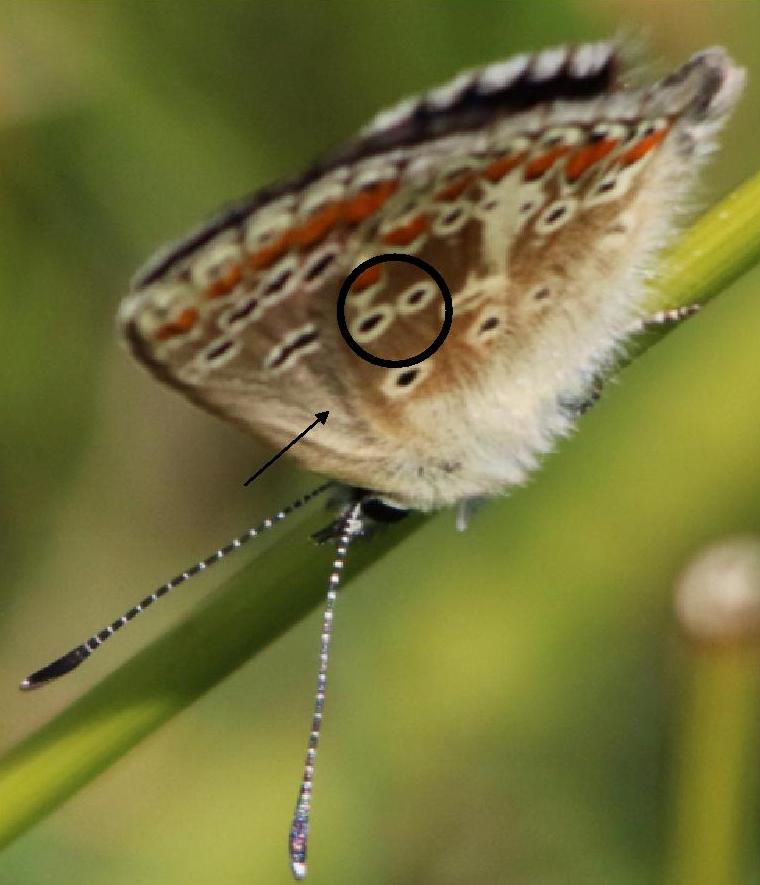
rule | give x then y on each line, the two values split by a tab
448	310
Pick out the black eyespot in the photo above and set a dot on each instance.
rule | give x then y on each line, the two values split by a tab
488	325
319	267
369	324
527	207
542	294
278	283
217	351
406	378
243	311
286	352
555	215
606	186
452	216
416	296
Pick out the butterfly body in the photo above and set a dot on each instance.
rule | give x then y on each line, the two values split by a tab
539	188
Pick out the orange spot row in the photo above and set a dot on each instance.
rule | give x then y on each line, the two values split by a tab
226	282
407	233
544	162
308	234
366	278
499	168
455	188
183	323
646	144
316	228
367	202
586	157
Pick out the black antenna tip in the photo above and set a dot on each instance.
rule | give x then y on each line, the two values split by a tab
321	417
65	664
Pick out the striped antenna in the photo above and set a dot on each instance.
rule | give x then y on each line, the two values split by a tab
66	663
348	528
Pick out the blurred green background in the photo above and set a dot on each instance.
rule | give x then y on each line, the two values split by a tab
482	726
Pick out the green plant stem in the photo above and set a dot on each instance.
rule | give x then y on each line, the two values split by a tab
281	586
715	793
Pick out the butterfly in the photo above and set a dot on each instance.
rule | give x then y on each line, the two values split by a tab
539	189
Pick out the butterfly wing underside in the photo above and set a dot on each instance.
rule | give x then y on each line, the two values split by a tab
534	186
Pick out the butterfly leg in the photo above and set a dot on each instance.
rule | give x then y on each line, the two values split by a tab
658	320
670	317
375	511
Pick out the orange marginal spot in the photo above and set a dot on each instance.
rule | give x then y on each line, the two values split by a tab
368	201
641	149
407	233
455	188
366	278
183	323
318	226
586	157
269	254
226	282
499	168
543	162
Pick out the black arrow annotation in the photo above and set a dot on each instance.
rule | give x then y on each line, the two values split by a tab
321	419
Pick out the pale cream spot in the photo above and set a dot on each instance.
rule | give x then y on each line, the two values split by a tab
371	176
489	324
211	260
238	316
555	216
612	185
220	351
560	135
319	194
371	324
269	221
320	264
505	141
147	323
417	297
450	218
278	283
163	294
290	349
401	382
